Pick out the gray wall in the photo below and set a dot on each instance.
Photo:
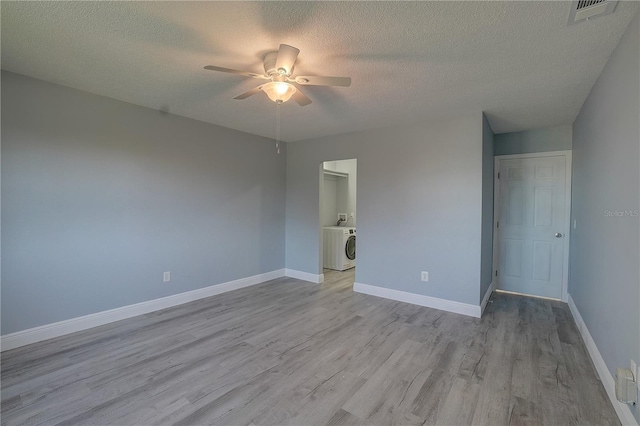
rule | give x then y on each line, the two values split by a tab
419	206
538	140
99	197
486	271
605	280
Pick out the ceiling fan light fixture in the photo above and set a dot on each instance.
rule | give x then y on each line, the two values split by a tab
278	68
279	91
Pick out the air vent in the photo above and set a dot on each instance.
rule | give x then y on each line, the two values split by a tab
583	4
581	10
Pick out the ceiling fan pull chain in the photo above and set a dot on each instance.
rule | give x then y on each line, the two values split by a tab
278	127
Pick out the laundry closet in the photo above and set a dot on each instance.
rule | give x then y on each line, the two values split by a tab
338	214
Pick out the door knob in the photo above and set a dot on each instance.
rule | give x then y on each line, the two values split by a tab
558	235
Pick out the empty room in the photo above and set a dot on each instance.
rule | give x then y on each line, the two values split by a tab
320	213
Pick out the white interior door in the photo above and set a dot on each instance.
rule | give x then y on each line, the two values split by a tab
532	224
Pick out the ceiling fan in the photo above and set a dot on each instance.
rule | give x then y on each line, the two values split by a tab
278	67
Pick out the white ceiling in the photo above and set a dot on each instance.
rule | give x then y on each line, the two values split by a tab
409	61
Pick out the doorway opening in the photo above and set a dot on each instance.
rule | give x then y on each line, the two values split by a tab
338	215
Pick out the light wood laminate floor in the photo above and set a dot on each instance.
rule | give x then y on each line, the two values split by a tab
290	352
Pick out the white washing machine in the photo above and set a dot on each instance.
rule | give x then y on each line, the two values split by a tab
339	247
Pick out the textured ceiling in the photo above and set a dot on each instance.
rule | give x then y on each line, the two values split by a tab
409	61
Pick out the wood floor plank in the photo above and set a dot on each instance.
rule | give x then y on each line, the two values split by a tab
460	403
288	352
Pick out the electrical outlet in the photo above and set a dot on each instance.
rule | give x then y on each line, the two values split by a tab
352	215
424	276
166	277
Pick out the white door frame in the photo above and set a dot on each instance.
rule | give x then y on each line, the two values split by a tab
567	210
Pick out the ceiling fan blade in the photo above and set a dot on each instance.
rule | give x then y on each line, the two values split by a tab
316	80
287	56
232	71
300	98
249	93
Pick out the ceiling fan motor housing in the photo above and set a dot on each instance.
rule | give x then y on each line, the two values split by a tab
270	65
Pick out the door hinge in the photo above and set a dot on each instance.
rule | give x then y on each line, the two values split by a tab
498	175
497	224
496	272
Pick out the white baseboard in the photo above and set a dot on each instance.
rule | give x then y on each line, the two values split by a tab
49	331
487	296
304	276
419	299
623	411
